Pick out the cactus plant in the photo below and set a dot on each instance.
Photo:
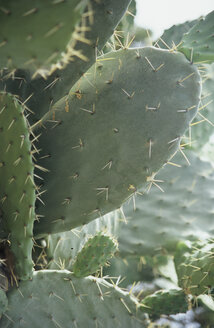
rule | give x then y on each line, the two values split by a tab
81	132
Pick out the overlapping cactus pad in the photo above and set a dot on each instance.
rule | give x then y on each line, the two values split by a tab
171	38
203	124
195	267
34	34
165	301
57	299
198	44
123	121
17	188
158	220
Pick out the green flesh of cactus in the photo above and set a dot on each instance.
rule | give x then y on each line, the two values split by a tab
172	37
3	302
58	299
203	124
94	254
202	127
62	248
29	40
17	188
165	302
195	267
113	147
90	35
181	212
198	43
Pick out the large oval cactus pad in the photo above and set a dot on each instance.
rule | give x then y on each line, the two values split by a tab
122	121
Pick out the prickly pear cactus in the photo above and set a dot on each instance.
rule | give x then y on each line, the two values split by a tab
82	131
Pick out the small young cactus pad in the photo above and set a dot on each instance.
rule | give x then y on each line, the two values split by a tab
94	254
62	248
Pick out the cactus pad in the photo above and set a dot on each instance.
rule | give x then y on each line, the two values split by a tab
34	35
172	37
58	299
165	302
198	44
17	189
62	248
94	254
203	125
90	35
195	267
112	145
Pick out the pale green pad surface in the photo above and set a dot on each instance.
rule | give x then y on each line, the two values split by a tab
94	254
121	123
184	211
57	299
131	269
198	43
33	34
17	189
